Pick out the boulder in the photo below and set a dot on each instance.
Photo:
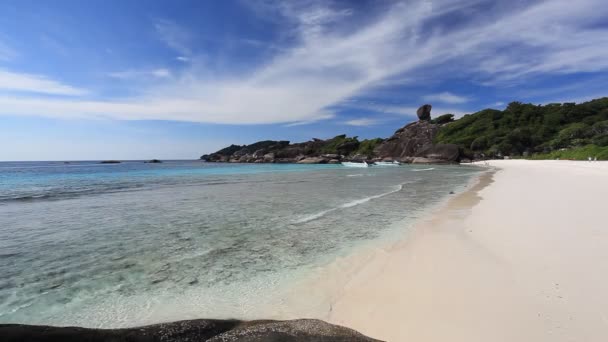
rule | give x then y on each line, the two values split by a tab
331	156
268	158
444	153
423	160
424	112
408	140
333	161
313	160
210	330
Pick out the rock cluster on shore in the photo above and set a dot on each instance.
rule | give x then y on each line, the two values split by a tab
412	143
209	330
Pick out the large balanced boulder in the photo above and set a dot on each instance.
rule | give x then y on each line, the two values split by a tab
200	330
424	112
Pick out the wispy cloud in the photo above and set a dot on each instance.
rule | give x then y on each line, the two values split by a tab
133	74
447	97
174	36
333	57
362	122
28	83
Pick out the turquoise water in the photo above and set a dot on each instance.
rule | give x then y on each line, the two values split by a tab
110	245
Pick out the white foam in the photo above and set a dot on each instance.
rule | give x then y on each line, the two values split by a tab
429	169
346	205
355	175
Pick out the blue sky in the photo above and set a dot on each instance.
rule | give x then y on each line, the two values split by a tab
176	79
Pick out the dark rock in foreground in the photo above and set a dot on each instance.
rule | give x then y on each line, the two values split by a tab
209	330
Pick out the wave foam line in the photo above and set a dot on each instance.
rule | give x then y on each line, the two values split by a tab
346	205
429	169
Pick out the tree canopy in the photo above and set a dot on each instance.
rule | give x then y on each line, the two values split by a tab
526	129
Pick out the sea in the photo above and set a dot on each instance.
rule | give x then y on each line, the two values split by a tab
116	245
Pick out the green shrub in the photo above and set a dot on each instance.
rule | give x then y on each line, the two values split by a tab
367	146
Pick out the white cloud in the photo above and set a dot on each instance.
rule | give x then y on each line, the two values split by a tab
447	97
362	122
134	74
334	57
182	59
19	82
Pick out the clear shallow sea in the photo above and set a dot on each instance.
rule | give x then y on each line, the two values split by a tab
111	245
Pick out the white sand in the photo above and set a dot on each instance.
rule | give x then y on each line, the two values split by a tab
523	259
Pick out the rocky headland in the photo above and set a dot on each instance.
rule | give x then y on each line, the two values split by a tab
412	143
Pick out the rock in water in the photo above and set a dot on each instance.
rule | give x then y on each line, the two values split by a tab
424	112
209	330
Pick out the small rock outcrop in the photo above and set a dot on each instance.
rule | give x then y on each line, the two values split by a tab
209	330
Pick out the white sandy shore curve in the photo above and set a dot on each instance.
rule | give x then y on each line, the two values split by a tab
523	256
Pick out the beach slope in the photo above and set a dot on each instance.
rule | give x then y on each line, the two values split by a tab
522	256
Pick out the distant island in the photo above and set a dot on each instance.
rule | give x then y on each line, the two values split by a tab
552	131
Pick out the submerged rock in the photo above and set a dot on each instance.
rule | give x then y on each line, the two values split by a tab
209	330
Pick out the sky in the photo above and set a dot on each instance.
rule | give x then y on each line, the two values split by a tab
93	80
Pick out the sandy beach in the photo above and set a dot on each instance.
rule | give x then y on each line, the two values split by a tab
521	256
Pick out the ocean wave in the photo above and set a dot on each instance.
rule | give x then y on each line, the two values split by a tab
350	204
355	175
429	169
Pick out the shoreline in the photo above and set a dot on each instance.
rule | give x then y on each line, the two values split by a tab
315	294
499	262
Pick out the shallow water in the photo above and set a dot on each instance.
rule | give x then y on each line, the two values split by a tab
110	245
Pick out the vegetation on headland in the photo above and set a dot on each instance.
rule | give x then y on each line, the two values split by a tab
566	131
283	152
576	153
